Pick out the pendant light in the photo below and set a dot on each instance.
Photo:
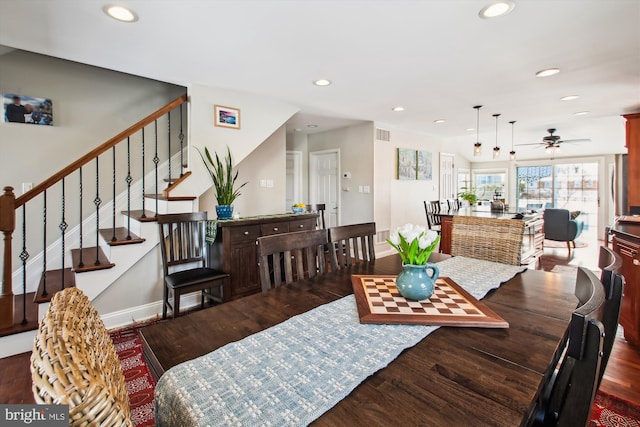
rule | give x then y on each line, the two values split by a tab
477	147
496	149
512	153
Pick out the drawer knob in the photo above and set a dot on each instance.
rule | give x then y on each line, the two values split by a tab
636	262
246	233
301	226
275	228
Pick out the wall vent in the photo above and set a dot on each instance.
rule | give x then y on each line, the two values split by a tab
382	236
383	135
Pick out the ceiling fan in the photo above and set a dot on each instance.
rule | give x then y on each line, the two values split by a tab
551	142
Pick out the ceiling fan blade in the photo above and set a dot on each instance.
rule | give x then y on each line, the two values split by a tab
533	143
576	140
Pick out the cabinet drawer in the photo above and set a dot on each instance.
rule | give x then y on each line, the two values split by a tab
275	228
302	225
248	233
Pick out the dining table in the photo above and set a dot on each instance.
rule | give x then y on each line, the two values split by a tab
454	376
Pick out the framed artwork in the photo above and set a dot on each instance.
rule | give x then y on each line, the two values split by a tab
227	117
27	109
407	164
425	166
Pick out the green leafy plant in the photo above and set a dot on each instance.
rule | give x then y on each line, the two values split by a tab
469	196
222	176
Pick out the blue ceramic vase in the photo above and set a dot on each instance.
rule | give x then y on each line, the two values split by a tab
224	211
415	283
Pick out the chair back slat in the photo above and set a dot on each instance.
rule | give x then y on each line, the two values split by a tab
318	208
351	244
279	253
490	239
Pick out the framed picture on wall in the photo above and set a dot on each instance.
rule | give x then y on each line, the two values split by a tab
27	109
406	164
425	165
227	117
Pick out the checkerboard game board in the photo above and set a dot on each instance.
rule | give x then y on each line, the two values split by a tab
450	305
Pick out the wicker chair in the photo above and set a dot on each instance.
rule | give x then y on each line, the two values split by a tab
498	240
74	362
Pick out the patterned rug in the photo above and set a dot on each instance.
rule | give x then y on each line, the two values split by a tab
137	375
610	411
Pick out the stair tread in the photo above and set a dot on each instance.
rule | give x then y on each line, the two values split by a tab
122	236
54	284
89	259
170	198
149	216
32	315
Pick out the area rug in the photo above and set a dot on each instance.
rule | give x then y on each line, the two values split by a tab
137	375
609	410
554	244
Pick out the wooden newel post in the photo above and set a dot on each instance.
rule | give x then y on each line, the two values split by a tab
7	225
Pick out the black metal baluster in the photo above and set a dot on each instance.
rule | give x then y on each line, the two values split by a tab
44	245
80	262
24	256
156	160
63	228
181	136
97	203
113	180
169	144
128	180
143	201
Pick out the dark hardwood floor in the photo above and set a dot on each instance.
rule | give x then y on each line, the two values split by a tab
622	377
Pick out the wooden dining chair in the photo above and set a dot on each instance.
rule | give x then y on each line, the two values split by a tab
351	244
289	257
318	208
184	259
435	206
610	264
490	239
569	391
433	221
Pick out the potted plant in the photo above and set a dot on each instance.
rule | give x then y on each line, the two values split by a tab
469	196
224	181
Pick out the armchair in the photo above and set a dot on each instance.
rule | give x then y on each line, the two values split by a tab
559	226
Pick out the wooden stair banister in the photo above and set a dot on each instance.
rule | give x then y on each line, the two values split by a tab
91	155
7	225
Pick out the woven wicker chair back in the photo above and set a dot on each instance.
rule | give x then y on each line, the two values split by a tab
498	240
74	362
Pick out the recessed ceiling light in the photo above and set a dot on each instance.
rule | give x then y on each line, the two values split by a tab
312	126
298	130
322	82
120	13
398	108
547	72
569	97
439	121
496	8
580	113
470	129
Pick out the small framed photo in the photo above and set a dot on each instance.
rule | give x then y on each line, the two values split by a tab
27	109
227	117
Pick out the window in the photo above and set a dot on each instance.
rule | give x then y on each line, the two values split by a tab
490	183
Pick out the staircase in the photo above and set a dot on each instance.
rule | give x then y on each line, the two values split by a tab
127	181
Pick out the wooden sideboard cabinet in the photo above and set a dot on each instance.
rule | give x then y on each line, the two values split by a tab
626	242
234	250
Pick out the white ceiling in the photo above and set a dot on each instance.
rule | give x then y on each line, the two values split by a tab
436	58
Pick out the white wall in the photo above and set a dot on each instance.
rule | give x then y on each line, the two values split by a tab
356	156
299	142
259	118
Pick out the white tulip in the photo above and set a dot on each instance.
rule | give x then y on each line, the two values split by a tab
395	238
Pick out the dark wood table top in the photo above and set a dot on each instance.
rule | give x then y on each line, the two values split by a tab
455	376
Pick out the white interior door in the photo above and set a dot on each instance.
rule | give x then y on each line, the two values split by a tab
447	184
324	173
294	179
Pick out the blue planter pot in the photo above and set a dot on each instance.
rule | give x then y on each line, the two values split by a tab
415	283
224	211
